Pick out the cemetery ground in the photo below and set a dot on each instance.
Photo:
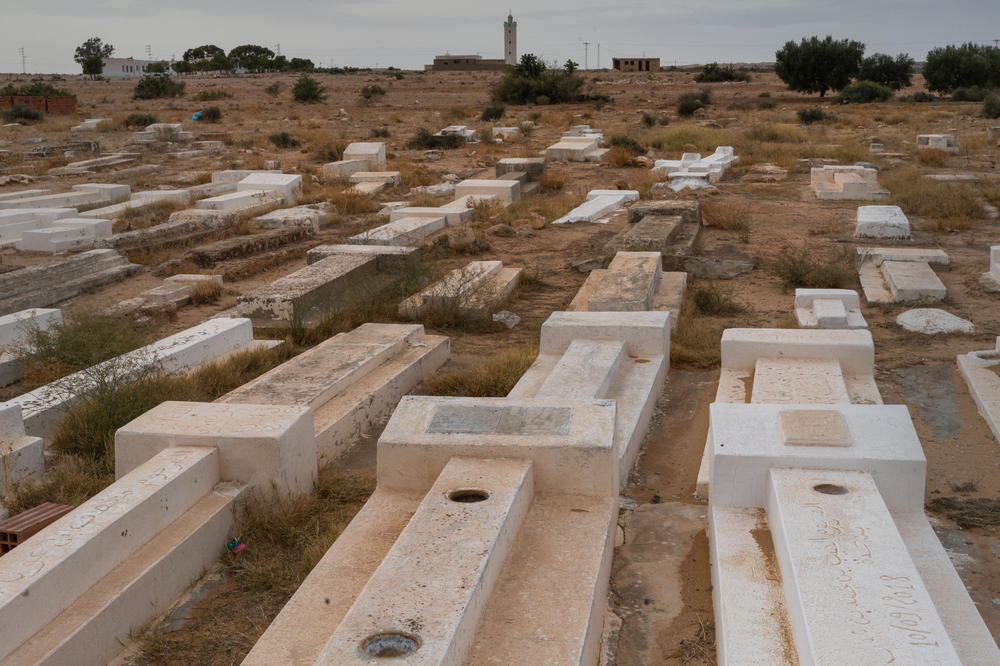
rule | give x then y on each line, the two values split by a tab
769	236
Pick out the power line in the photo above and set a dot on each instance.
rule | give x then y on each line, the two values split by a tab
24	67
586	46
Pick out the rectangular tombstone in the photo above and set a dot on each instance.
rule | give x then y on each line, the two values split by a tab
882	222
372	152
629	284
533	166
586	371
854	594
400	232
262	445
308	294
913	282
505	190
66	558
289	186
828	308
234	176
384	177
593	209
344	168
853	349
384	253
242	201
414	600
644	333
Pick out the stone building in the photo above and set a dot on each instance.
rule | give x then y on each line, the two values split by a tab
636	64
448	62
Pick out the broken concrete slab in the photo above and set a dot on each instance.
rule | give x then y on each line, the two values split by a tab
598	204
475	290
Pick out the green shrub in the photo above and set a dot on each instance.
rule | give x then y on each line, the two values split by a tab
494	111
812	115
991	106
284	140
424	140
33	90
626	142
864	92
714	73
920	97
20	112
970	94
308	90
140	120
156	86
379	133
647	120
531	81
211	115
692	101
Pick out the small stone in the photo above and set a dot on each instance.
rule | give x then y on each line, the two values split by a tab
932	321
507	318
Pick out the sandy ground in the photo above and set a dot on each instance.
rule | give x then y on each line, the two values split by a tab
661	585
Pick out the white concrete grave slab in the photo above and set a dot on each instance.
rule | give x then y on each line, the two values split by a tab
978	368
427	596
943	142
234	176
383	177
475	290
403	231
243	201
882	222
352	381
901	275
793	366
828	308
210	340
837	492
598	204
846	183
371	152
259	445
288	185
503	190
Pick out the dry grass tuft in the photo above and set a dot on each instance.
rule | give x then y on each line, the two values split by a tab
349	202
932	157
696	341
808	267
203	293
620	157
550	182
493	377
946	205
712	300
730	214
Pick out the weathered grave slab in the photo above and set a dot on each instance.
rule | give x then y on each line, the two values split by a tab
400	232
309	294
980	374
882	222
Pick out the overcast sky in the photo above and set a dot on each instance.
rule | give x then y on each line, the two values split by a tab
409	33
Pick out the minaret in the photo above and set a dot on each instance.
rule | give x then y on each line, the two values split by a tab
510	40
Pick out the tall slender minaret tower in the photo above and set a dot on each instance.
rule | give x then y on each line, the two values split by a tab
510	40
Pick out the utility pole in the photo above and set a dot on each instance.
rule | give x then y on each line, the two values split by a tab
598	55
24	67
586	46
277	49
149	51
996	43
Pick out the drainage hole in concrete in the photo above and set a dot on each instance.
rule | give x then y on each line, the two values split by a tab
468	495
390	644
831	489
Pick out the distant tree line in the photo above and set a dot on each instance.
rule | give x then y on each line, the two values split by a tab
817	65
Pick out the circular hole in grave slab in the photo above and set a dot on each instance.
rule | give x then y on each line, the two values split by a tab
468	495
390	644
831	489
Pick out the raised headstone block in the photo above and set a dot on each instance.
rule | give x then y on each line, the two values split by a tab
533	166
504	190
262	446
943	142
828	308
852	349
882	222
371	152
644	333
289	186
